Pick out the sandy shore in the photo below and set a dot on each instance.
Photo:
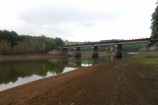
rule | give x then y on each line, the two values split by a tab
123	82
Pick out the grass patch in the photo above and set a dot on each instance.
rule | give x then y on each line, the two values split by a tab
149	58
153	62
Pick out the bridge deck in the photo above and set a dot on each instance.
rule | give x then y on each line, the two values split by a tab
112	42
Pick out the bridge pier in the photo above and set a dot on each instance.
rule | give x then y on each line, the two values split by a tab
78	61
64	51
95	51
78	51
110	48
118	51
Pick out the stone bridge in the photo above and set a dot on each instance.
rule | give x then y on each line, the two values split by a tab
94	45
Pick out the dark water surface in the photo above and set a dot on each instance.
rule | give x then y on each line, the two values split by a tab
14	73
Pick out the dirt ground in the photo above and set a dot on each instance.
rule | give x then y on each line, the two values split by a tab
112	83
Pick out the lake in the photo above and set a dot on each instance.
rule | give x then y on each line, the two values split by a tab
14	73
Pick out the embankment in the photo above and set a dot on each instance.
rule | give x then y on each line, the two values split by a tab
27	57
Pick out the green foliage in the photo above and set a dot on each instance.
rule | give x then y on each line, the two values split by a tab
86	48
4	46
12	36
148	57
134	47
29	46
154	25
71	43
58	42
153	62
12	43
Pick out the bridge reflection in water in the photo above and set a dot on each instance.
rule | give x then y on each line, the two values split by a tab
13	73
87	62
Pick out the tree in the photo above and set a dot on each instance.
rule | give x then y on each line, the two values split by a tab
12	43
154	25
5	47
58	42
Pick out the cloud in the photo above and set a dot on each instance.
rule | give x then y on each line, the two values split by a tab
78	19
59	14
60	20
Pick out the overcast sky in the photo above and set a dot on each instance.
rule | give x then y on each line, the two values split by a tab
78	20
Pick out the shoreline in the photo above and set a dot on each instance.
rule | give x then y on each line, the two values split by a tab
20	57
116	82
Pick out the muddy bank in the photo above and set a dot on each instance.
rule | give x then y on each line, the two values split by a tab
124	82
40	56
28	57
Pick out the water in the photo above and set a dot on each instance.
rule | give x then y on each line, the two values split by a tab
14	73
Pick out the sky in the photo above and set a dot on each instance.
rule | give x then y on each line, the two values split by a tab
78	20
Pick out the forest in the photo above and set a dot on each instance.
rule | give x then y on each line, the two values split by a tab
12	43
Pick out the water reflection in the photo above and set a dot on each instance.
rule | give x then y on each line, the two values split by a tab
110	58
11	71
19	72
78	61
95	60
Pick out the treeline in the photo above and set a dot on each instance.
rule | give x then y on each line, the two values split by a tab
12	43
154	26
134	47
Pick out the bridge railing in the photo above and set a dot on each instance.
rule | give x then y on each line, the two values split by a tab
108	42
